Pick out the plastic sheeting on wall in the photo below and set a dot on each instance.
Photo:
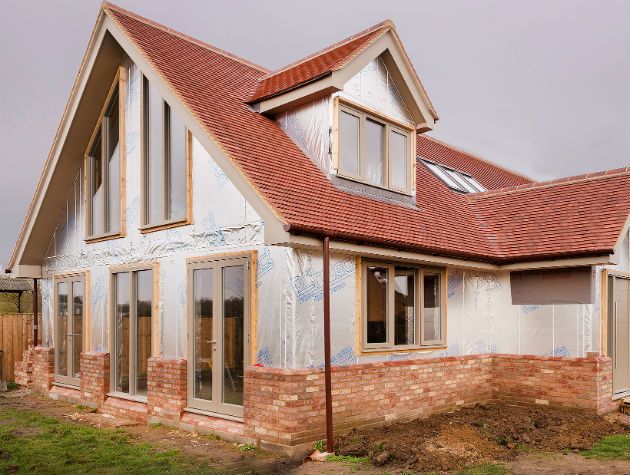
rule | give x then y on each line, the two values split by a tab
222	220
290	320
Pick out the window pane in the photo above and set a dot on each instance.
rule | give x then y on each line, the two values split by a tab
203	332
121	332
154	150
374	156
233	334
404	306
97	192
113	158
144	311
478	186
460	180
442	175
176	166
349	143
62	329
398	160
376	303
77	327
431	313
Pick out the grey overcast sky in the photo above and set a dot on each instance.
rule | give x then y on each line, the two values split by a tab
542	87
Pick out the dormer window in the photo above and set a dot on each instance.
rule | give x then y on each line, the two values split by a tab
373	149
455	179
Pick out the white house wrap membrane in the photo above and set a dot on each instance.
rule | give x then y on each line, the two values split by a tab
480	315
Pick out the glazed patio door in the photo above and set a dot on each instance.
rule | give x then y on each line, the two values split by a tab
69	293
218	334
619	333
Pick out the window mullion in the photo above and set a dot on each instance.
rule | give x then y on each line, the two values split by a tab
105	172
391	321
132	334
386	155
420	313
166	158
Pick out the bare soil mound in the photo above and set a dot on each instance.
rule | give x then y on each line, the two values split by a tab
475	435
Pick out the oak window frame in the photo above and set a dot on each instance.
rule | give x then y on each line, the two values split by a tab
117	93
391	125
132	270
69	279
419	318
146	129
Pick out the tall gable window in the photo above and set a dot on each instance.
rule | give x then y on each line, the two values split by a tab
373	149
165	163
103	168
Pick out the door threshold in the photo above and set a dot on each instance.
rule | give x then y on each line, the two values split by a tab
218	415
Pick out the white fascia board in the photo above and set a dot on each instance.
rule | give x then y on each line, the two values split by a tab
373	252
21	271
60	138
272	221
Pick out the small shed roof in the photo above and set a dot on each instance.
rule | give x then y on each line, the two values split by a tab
11	284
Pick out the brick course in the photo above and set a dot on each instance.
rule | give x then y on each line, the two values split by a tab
23	372
287	406
43	369
94	377
166	387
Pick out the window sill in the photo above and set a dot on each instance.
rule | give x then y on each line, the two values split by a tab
218	415
128	397
168	225
407	349
61	384
340	174
104	237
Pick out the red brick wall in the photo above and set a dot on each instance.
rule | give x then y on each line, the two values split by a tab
166	391
23	372
94	377
43	369
570	382
125	409
287	407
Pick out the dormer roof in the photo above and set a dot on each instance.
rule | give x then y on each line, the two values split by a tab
327	71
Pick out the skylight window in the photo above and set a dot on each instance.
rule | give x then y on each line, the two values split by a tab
455	179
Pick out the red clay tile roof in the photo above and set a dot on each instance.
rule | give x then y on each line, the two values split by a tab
488	174
317	65
581	215
214	87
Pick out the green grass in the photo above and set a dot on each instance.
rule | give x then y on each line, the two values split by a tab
612	447
347	459
485	469
32	443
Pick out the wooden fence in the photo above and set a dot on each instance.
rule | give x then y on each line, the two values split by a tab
15	331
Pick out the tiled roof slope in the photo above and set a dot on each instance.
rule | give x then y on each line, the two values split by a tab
580	216
317	65
214	87
489	174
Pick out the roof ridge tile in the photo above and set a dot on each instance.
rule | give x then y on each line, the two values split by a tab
111	6
385	24
549	183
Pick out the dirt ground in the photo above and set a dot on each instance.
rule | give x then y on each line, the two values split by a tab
477	435
538	440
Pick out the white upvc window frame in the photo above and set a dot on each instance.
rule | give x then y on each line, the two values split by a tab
419	332
391	125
